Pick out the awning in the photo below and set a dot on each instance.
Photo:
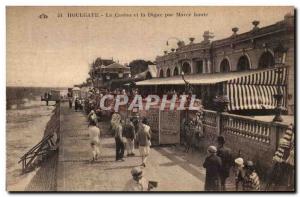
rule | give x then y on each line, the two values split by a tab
256	91
152	71
142	75
76	89
246	90
198	79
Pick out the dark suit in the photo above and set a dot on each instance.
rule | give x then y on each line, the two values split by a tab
213	165
226	156
129	131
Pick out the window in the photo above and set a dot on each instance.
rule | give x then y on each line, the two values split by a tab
266	60
175	71
186	68
224	66
161	73
168	72
199	65
243	63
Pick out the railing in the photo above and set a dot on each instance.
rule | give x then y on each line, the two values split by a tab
252	129
49	143
246	127
253	139
242	126
210	121
40	150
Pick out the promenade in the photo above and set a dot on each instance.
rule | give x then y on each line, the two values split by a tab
170	166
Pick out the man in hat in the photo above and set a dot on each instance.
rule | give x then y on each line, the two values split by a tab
213	166
138	182
251	180
240	173
143	138
226	156
117	130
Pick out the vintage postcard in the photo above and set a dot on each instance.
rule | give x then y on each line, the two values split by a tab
150	99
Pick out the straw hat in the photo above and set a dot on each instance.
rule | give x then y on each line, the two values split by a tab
212	149
239	161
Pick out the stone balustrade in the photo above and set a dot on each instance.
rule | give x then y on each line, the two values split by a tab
247	137
210	118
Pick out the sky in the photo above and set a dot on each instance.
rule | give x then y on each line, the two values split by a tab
57	51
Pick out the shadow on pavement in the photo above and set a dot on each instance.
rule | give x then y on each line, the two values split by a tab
121	167
183	164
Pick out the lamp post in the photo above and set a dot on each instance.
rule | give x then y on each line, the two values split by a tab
279	54
278	97
188	87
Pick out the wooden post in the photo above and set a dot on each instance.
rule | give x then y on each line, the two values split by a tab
218	123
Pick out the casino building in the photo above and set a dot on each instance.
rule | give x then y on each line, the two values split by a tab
250	68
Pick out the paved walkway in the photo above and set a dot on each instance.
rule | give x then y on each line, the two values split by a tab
173	169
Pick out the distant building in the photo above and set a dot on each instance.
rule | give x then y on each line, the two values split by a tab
103	71
115	71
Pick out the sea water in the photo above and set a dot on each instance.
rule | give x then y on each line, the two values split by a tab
25	124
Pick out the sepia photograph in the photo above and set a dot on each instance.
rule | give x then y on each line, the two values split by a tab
150	99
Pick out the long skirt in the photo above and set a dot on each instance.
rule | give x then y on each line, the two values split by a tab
144	150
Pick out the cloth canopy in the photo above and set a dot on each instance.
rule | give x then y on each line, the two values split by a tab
257	90
254	89
76	89
152	70
197	79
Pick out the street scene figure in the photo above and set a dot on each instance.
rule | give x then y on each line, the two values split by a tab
138	182
144	141
251	179
240	173
129	134
92	117
213	165
120	145
189	134
227	161
94	134
70	102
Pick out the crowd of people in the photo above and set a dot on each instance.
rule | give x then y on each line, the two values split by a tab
135	131
128	134
218	165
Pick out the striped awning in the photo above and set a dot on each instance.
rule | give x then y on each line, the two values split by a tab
257	90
